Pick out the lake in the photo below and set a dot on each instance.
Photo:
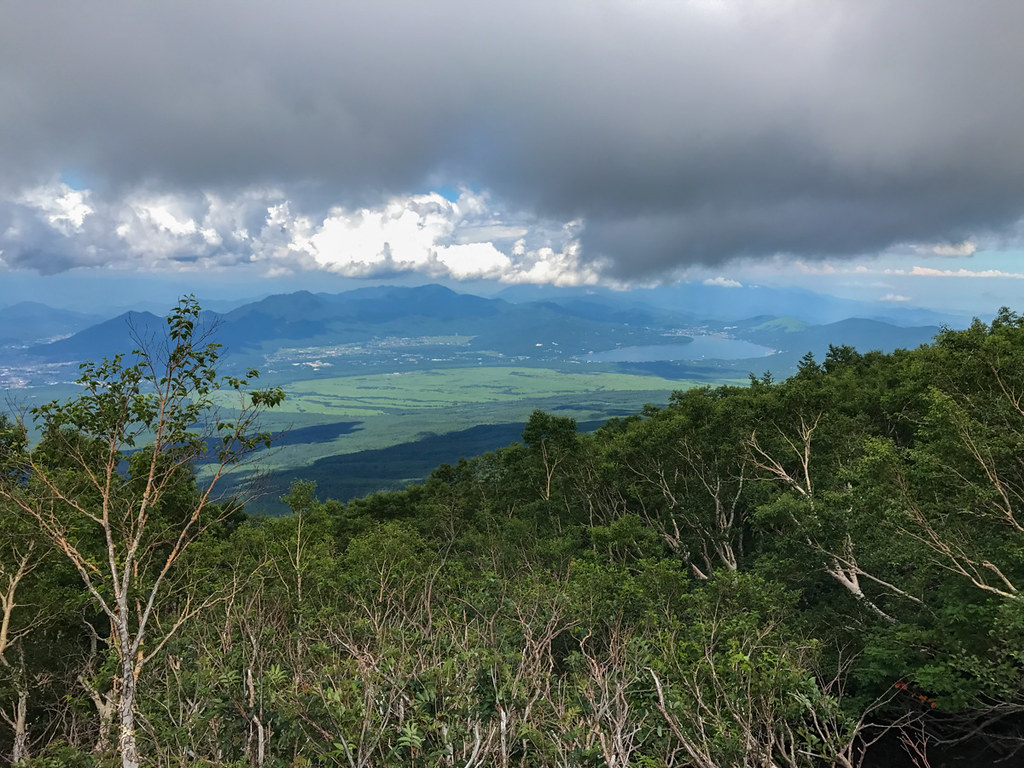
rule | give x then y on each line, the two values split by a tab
701	348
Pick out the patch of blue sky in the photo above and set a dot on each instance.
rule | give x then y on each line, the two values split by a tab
1011	260
448	192
451	192
73	178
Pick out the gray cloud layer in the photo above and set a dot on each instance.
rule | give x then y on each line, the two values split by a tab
679	132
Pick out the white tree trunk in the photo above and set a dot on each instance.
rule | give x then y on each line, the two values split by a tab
20	750
126	706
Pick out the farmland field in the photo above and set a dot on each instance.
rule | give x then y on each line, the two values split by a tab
416	390
405	424
385	409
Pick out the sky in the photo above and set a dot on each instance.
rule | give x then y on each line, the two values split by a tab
865	148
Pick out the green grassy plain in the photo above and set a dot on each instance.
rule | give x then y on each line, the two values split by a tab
446	388
396	427
384	410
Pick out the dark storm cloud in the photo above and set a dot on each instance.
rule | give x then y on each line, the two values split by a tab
680	132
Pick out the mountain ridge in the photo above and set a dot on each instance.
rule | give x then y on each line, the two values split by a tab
550	329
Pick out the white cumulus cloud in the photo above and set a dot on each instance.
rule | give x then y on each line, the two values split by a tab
464	239
63	207
961	249
966	248
999	273
723	282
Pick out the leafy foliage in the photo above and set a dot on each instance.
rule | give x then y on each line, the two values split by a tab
775	575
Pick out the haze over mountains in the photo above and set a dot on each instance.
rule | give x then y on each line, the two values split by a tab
30	322
523	322
723	301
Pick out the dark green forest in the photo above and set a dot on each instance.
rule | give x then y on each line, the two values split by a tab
811	572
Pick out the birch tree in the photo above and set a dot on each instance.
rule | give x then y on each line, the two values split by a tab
112	489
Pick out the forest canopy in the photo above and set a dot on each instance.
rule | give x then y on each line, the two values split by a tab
820	571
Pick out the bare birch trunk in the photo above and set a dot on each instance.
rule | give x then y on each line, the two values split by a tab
126	706
20	750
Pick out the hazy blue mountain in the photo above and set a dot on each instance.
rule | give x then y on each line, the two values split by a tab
527	292
724	303
563	326
120	334
865	335
430	301
430	310
356	315
718	302
285	307
306	319
371	306
617	309
222	306
793	339
767	324
30	322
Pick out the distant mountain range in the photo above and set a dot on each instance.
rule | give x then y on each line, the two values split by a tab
30	322
724	303
523	322
308	319
120	334
790	335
